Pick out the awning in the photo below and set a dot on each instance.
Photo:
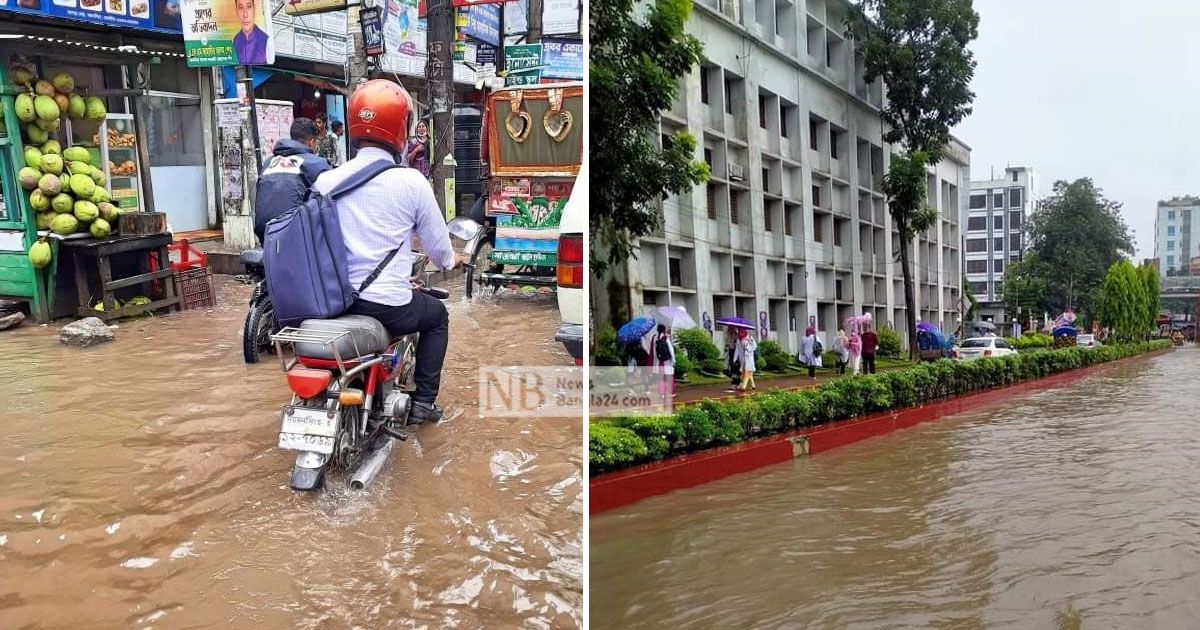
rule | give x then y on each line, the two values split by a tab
258	75
261	75
127	50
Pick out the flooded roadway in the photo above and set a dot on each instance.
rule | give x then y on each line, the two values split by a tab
140	488
1074	507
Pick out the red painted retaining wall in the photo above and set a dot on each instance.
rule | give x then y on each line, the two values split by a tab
616	489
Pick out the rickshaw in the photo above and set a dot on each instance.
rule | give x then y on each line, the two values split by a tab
932	343
533	148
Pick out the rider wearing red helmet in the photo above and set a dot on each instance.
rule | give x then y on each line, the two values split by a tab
383	214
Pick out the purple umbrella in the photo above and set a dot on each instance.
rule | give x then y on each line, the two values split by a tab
735	322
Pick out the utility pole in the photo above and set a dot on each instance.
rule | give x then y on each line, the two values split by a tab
439	74
357	70
534	22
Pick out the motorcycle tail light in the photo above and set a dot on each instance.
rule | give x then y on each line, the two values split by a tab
570	261
307	382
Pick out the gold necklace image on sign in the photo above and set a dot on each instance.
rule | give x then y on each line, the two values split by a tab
517	123
557	121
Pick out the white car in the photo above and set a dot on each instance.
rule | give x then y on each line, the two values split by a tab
980	347
572	302
1087	341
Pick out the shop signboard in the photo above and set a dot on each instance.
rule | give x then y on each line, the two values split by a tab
516	17
523	63
148	15
560	17
227	33
372	30
320	38
483	23
308	7
562	59
405	36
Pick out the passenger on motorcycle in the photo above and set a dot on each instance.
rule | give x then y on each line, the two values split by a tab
387	213
288	174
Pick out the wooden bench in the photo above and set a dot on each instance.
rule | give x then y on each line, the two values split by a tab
101	251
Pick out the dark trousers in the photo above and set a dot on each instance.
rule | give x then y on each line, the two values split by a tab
812	371
868	363
427	315
841	368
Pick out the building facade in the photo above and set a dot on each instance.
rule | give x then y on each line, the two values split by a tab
993	238
792	230
1175	235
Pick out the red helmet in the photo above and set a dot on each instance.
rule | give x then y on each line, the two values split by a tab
378	111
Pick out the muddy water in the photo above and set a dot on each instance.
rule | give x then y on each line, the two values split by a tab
1075	507
139	488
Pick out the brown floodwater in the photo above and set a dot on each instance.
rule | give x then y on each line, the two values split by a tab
1072	507
140	488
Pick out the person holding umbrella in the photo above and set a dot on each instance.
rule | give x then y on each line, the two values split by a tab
664	361
746	346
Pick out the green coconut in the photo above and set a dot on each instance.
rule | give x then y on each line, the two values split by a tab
33	157
39	254
63	82
50	185
94	108
49	126
64	224
29	177
86	211
35	134
82	186
98	176
21	75
62	203
52	147
39	201
77	154
46	108
44	88
44	219
100	195
108	212
25	111
52	163
100	228
76	108
79	167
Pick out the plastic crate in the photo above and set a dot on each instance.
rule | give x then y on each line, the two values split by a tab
184	256
195	287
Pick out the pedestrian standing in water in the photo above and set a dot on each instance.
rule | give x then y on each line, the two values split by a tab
746	347
810	352
841	346
856	346
870	344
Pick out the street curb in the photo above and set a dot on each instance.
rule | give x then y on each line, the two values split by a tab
624	487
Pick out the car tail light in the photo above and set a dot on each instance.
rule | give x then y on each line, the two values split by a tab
307	382
570	261
953	354
987	353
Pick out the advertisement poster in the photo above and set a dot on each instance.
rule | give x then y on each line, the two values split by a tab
483	23
523	63
562	59
149	15
372	30
226	33
312	37
404	36
560	17
516	17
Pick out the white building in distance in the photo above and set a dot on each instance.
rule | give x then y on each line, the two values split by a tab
993	238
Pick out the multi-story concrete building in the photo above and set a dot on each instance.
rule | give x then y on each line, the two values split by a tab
793	228
1176	234
993	237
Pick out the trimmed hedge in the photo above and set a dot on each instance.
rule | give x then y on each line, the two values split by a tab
625	441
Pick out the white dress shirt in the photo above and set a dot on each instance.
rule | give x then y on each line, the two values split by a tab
384	214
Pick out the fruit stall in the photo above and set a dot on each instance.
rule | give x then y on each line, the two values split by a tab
70	169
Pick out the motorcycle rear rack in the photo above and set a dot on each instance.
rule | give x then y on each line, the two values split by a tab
294	335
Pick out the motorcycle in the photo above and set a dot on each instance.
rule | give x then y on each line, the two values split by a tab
352	387
260	319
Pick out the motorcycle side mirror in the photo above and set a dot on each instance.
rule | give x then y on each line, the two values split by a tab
463	228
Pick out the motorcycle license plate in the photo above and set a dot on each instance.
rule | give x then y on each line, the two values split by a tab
306	429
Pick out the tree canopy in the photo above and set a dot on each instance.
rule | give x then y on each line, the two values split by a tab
1129	300
1076	235
636	60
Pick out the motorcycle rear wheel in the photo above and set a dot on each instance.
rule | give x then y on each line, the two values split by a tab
256	336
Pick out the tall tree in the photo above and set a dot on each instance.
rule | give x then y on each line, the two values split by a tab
919	49
1077	234
637	57
1153	289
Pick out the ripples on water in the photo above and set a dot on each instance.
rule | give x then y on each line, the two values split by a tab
139	487
1077	506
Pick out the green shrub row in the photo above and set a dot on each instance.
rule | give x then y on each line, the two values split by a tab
624	441
1028	342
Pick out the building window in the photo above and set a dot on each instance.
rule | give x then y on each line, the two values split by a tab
837	290
708	158
816	196
790	277
735	202
998	223
729	95
787	221
675	272
998	265
769	217
975	224
1170	214
737	278
998	199
1014	176
997	244
999	290
1170	244
783	120
814	127
978	288
1014	197
977	245
837	233
712	201
766	180
1014	242
1171	261
1012	258
1014	220
650	298
762	110
977	266
833	142
979	202
704	85
818	230
1170	230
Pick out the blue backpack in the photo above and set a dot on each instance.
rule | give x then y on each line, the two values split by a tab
304	256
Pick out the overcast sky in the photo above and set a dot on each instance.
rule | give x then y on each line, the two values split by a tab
1107	89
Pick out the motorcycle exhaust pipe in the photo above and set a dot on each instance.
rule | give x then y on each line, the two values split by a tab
371	465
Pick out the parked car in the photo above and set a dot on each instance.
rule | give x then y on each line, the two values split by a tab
572	303
1087	341
980	347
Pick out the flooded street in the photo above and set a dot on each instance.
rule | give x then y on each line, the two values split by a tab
1072	507
140	487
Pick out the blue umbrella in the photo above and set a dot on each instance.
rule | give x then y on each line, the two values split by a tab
735	322
633	331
